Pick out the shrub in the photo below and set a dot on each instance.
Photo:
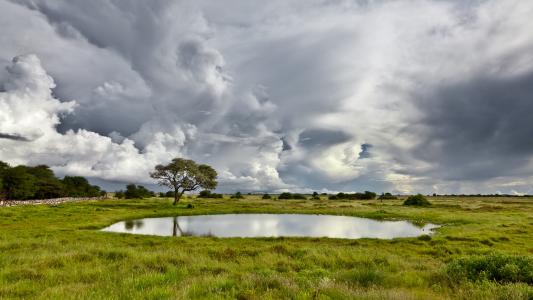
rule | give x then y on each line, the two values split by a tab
208	194
367	195
137	192
237	195
425	237
494	267
266	196
289	196
387	196
332	197
417	200
204	194
285	196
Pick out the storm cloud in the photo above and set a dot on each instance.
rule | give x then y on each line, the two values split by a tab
401	96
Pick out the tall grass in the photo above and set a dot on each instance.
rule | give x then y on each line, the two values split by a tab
492	267
58	252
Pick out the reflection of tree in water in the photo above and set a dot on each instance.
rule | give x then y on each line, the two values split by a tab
139	224
176	228
177	231
131	224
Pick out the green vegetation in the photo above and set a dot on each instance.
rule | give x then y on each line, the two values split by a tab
39	182
237	195
483	251
206	194
387	196
266	196
493	267
291	196
417	200
134	192
356	196
168	194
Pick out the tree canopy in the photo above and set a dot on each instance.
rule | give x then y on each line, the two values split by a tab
137	192
40	182
185	175
367	195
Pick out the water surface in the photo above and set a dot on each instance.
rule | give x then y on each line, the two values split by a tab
272	225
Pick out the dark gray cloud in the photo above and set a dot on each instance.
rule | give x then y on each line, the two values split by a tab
14	137
310	138
365	151
478	128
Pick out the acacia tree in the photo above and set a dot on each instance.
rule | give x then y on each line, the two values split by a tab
184	175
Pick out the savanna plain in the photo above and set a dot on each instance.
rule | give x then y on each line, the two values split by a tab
484	250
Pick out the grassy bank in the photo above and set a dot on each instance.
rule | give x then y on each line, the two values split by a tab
57	252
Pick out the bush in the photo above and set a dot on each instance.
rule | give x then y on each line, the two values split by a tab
290	196
208	194
204	194
356	196
387	196
494	267
137	192
237	195
417	200
266	196
285	196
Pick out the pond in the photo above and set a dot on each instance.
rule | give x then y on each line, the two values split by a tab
272	225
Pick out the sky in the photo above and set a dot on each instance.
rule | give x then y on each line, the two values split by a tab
405	96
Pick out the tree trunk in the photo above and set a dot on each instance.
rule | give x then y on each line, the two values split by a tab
176	197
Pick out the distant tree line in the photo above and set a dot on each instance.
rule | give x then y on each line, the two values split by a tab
207	194
39	182
134	191
291	196
480	195
387	196
355	196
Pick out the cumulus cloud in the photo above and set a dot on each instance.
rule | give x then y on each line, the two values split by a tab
30	112
402	96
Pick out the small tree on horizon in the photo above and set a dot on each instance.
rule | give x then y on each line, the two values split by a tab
185	175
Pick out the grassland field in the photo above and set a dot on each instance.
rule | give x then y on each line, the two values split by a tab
58	252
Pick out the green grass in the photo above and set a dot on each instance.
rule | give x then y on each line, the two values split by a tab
58	252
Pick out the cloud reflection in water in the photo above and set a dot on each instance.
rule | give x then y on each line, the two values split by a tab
272	225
